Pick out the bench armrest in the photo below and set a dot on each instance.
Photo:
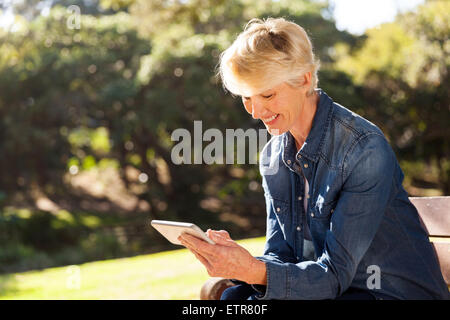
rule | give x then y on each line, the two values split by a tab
213	288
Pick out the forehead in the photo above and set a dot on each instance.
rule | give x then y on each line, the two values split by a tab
267	90
247	91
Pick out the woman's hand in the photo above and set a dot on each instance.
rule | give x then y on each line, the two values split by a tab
226	258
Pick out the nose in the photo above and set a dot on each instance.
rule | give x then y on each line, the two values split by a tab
257	108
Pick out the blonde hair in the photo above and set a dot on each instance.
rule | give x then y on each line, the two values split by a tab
267	53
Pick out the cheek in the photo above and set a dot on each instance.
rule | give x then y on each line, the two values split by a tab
289	108
247	106
278	107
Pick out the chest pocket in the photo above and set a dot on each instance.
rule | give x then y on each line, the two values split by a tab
281	209
323	211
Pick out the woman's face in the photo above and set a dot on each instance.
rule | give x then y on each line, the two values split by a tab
278	107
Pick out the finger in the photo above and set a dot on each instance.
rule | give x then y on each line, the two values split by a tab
184	242
187	244
224	233
218	239
222	238
201	258
221	233
199	245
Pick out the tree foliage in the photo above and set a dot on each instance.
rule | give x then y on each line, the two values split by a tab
403	69
54	79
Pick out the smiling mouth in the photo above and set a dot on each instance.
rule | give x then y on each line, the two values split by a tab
271	119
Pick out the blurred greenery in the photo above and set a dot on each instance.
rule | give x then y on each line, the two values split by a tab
86	116
403	69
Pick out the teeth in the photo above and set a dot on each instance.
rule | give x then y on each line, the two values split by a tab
269	119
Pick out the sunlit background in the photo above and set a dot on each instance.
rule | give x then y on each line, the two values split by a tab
90	92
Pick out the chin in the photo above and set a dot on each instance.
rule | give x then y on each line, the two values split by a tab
275	131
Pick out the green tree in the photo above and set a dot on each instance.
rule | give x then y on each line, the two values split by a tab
53	79
403	70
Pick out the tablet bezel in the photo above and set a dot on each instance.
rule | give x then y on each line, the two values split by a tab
171	230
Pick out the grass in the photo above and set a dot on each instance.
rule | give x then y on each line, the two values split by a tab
166	275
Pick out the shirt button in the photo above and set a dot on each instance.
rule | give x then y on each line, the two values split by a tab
332	210
305	165
289	162
278	209
299	156
299	198
299	228
312	214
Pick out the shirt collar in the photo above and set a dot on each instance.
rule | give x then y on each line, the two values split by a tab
314	142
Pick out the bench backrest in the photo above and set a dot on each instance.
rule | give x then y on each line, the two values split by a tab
435	215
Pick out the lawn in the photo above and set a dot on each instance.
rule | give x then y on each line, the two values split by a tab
166	275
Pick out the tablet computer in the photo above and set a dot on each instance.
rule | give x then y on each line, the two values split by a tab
171	230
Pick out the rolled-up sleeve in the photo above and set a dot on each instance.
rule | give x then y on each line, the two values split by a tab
367	173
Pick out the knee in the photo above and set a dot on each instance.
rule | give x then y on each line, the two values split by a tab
230	293
237	292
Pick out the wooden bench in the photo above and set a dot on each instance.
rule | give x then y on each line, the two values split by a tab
434	213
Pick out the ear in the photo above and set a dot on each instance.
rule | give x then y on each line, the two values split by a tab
306	79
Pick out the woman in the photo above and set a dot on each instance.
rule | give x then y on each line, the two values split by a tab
339	223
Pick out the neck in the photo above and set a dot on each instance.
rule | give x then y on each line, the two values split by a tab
302	127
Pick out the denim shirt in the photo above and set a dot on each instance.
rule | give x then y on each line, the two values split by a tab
365	232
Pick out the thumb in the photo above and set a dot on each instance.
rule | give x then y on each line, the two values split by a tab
219	238
224	234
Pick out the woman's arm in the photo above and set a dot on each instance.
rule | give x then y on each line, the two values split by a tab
229	260
368	178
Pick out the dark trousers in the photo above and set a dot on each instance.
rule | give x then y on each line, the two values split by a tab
246	292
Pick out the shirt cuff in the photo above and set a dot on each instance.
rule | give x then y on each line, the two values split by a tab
269	258
277	281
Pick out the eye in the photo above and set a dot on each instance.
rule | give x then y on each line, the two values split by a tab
268	96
